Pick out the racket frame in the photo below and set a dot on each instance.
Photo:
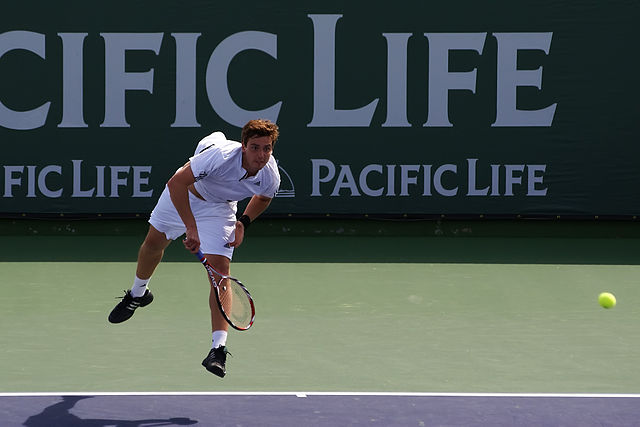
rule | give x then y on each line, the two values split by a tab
212	272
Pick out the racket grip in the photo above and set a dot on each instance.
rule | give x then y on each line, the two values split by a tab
200	256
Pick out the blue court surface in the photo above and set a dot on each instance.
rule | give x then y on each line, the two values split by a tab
317	409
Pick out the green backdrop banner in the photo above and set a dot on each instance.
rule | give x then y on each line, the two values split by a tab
417	107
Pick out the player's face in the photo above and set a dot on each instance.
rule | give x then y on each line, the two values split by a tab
256	153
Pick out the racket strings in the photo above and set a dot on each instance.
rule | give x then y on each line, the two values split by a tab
235	303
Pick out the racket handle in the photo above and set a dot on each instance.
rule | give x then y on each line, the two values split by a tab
200	256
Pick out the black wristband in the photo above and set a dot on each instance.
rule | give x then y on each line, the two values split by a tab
245	220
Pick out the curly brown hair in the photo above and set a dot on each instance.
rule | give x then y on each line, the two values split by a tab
259	127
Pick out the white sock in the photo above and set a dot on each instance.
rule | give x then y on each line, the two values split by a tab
139	287
219	339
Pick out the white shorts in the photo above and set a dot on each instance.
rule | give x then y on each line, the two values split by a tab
216	223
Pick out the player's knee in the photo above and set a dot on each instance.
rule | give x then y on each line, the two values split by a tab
154	242
157	236
220	263
152	246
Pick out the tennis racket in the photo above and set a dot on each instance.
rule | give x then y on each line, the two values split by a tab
234	300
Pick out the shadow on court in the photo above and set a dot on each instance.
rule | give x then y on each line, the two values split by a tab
59	415
324	410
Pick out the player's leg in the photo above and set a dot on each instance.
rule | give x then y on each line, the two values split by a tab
215	362
149	256
216	227
150	253
221	265
166	226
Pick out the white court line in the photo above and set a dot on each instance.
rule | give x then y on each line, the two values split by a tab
318	393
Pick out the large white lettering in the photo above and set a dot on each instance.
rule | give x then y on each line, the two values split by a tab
117	80
72	80
30	119
397	69
316	170
13	178
509	78
445	180
86	182
324	80
185	80
217	88
441	79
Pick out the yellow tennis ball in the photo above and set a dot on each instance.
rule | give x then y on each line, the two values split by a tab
607	300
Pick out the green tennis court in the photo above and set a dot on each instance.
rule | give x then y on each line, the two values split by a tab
341	306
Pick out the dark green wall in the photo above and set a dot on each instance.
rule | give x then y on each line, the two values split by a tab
422	108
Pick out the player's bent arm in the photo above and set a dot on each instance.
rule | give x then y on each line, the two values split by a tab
178	186
254	208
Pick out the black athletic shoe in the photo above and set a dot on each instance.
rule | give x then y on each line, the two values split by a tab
215	361
125	308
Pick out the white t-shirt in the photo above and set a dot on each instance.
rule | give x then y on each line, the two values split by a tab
220	177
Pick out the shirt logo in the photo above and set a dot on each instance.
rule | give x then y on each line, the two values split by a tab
257	183
202	175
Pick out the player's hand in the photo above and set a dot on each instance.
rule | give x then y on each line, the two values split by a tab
239	235
192	241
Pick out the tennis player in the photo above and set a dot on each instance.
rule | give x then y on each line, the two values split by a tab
200	200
